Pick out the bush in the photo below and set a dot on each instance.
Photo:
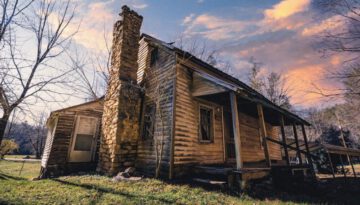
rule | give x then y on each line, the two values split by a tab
7	147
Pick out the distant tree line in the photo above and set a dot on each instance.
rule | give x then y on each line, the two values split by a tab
30	139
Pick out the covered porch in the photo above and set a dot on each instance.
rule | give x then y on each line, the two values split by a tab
253	146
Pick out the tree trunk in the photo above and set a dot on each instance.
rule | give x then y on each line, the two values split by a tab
3	122
37	155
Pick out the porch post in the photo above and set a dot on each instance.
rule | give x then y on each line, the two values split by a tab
352	166
307	145
263	133
236	129
331	164
297	143
342	165
282	124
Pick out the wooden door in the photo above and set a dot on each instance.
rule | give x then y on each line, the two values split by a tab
229	138
84	138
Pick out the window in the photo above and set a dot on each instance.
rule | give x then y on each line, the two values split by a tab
154	56
85	133
206	121
149	121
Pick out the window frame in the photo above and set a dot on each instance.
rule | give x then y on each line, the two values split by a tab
143	135
78	120
212	123
71	150
154	56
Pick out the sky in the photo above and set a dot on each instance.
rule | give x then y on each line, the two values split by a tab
281	34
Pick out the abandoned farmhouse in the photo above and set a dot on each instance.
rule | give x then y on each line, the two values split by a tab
170	114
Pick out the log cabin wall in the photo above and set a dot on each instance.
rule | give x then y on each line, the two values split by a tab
188	149
56	155
251	143
158	82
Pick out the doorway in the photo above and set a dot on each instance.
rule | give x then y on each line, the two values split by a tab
229	138
84	139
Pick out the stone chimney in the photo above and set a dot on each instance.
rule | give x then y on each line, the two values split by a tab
120	122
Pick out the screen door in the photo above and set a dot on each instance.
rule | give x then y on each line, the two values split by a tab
83	144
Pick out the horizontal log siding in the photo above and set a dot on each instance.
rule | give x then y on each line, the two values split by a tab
143	60
252	150
58	154
187	147
164	71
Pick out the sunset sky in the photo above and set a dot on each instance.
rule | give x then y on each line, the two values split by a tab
280	34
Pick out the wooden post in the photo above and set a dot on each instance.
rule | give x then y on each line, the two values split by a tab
282	124
236	129
307	146
297	144
263	133
342	166
352	166
331	164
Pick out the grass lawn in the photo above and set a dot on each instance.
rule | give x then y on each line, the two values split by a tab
14	156
17	188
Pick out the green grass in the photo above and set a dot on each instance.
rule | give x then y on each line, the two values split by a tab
14	156
18	188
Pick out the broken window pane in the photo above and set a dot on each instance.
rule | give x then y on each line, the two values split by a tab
154	56
206	120
149	121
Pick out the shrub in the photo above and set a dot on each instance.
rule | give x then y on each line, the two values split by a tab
7	147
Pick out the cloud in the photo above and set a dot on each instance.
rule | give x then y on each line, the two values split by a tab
95	21
282	39
188	19
213	27
288	15
330	24
94	25
286	8
200	1
140	6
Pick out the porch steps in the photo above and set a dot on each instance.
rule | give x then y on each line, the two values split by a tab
223	176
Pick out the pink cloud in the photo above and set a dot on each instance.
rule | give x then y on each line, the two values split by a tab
286	8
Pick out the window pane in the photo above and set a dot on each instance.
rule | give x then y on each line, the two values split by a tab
205	124
86	126
149	121
83	142
154	56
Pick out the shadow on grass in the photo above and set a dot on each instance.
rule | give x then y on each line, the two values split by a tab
7	177
103	190
330	191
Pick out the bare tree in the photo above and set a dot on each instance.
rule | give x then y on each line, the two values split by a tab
273	86
92	69
205	52
254	78
345	14
342	36
276	90
10	10
91	80
26	75
38	135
